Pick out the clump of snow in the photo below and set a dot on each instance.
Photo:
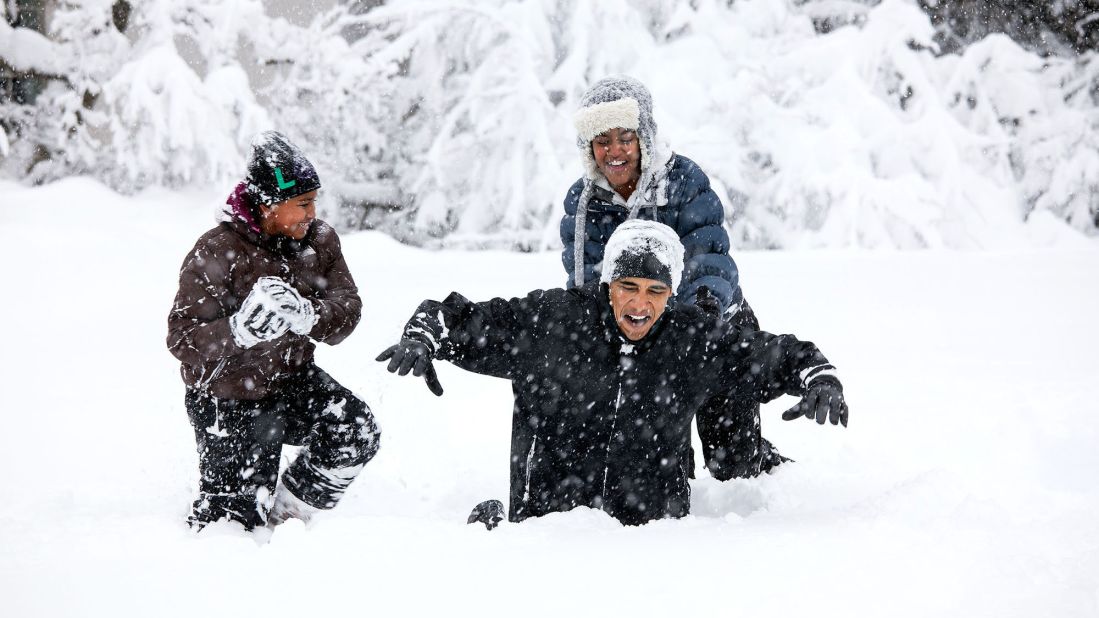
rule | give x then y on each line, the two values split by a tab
25	50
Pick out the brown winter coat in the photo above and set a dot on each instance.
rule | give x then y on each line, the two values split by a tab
216	277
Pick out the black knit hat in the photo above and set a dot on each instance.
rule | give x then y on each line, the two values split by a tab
278	170
642	264
644	249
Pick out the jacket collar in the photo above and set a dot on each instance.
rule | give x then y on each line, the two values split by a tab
654	193
283	246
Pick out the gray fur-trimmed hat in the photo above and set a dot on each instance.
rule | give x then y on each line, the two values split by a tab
614	102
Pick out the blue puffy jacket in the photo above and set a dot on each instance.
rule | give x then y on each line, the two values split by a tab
693	211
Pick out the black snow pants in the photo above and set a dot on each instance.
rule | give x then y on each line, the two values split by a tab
728	427
240	443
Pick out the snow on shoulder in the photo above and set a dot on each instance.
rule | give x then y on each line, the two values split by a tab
637	236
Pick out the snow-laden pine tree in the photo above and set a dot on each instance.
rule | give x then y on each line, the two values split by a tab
1043	26
480	140
326	93
473	139
161	99
29	61
180	109
90	47
471	107
866	136
848	138
1057	154
821	123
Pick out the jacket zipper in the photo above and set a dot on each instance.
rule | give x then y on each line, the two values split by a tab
530	460
204	382
607	456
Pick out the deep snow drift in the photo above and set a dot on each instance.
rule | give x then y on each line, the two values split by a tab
963	486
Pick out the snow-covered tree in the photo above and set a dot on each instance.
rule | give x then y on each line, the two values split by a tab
867	136
1045	26
90	47
821	123
479	98
28	61
1057	154
180	107
478	140
165	102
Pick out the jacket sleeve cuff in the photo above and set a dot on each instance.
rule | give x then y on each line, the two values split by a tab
819	373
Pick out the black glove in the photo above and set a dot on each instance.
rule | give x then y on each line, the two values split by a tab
823	400
707	302
412	354
490	513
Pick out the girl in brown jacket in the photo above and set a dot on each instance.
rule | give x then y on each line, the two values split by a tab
254	293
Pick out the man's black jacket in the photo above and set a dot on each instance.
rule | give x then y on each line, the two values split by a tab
601	421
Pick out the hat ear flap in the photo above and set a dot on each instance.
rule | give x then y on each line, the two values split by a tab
590	168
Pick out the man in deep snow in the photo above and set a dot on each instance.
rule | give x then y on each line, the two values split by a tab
630	172
254	293
608	376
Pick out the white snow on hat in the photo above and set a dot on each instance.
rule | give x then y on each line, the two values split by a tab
643	236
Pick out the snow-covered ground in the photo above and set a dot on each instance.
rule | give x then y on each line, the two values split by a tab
964	486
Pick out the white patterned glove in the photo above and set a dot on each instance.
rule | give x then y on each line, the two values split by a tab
292	306
257	320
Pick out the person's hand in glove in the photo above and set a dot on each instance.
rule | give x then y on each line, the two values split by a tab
292	306
258	319
490	513
707	302
412	355
823	400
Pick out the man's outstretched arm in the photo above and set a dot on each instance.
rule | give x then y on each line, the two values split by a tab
765	366
487	338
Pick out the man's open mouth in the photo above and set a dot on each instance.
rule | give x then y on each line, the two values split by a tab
637	320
